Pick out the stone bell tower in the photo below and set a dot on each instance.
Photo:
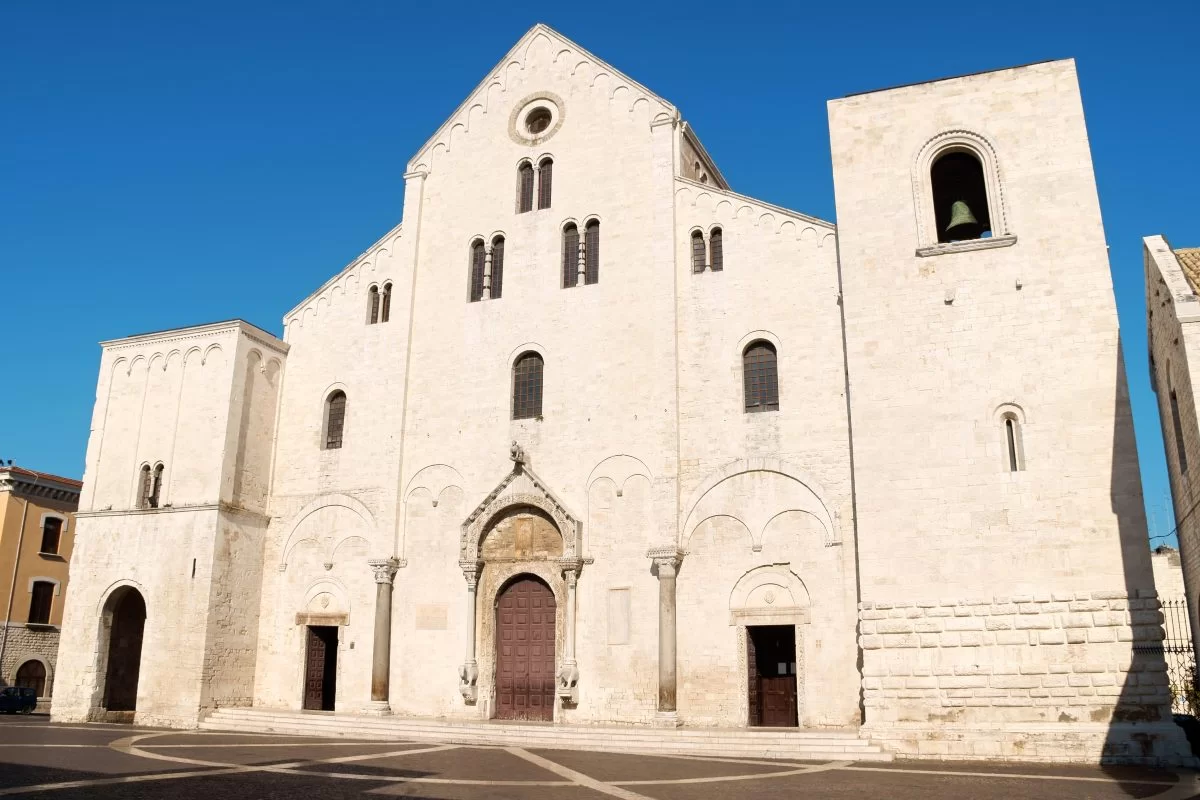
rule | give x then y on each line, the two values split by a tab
1004	566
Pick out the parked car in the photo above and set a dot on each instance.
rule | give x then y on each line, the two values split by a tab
17	700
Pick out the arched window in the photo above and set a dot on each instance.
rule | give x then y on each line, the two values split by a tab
32	675
1177	424
545	182
145	487
478	257
51	535
960	199
570	256
373	305
591	252
697	251
385	303
335	420
524	187
41	599
497	266
760	375
527	387
716	250
156	486
1013	450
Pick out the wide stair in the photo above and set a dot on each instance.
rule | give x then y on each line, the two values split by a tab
769	743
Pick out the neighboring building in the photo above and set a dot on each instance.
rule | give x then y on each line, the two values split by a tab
1173	338
1168	573
37	527
716	462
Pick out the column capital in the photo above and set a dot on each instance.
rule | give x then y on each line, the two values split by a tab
385	568
666	559
570	567
419	174
471	571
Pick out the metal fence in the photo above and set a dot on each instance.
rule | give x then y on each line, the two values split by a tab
1176	650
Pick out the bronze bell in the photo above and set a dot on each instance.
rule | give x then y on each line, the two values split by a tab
963	224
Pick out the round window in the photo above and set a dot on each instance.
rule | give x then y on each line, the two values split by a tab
538	120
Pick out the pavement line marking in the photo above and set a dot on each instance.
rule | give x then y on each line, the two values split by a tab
32	744
203	746
161	776
1187	788
577	777
744	777
1019	775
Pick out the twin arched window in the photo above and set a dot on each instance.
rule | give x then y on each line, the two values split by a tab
150	486
487	269
581	256
527	386
526	178
335	420
715	251
760	376
379	304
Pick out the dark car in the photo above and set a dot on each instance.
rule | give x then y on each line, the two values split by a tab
17	700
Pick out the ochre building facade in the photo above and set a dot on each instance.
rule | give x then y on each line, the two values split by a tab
590	438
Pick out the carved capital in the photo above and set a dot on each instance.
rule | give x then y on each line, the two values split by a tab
570	568
666	559
385	569
471	572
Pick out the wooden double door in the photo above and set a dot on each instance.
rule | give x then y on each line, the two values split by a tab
525	627
320	667
771	668
125	652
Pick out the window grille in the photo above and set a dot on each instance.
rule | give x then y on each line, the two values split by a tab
497	266
527	387
40	601
697	251
524	187
570	256
716	250
51	534
591	252
761	377
335	420
477	265
545	177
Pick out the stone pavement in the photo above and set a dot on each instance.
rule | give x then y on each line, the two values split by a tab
38	759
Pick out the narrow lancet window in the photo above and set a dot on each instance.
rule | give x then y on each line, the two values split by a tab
1177	423
716	251
527	387
497	267
591	252
570	256
385	303
524	187
156	486
545	182
760	376
145	486
478	257
373	305
697	251
335	420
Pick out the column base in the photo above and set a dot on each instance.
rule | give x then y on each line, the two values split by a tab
667	719
378	708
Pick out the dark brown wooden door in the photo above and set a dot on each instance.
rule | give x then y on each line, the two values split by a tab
771	652
525	651
320	668
125	652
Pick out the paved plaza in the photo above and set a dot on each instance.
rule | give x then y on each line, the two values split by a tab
38	759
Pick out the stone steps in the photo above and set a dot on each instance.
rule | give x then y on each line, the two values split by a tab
818	745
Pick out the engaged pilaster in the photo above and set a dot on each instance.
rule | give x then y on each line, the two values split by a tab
385	573
568	671
666	563
468	673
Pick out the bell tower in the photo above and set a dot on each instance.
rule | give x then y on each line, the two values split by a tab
998	499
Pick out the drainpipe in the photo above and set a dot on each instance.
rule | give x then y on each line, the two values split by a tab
12	584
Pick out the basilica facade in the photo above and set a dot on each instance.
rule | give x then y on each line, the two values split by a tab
591	438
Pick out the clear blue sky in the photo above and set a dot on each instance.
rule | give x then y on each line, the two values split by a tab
164	165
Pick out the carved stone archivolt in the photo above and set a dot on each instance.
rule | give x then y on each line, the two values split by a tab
521	487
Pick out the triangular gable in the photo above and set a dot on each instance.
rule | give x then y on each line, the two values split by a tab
521	486
570	55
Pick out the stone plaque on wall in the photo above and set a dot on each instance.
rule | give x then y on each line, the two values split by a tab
431	617
618	616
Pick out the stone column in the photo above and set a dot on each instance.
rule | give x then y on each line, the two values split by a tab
381	659
568	670
666	562
468	673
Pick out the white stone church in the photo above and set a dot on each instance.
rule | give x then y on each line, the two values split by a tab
591	438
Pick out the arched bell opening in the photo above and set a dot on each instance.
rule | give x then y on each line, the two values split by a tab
960	199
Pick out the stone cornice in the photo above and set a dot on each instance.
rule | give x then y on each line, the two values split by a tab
137	512
945	248
210	330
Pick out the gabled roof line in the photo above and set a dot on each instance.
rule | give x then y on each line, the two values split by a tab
692	137
539	27
708	187
357	259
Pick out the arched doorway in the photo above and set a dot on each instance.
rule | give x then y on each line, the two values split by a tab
32	675
525	612
128	610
